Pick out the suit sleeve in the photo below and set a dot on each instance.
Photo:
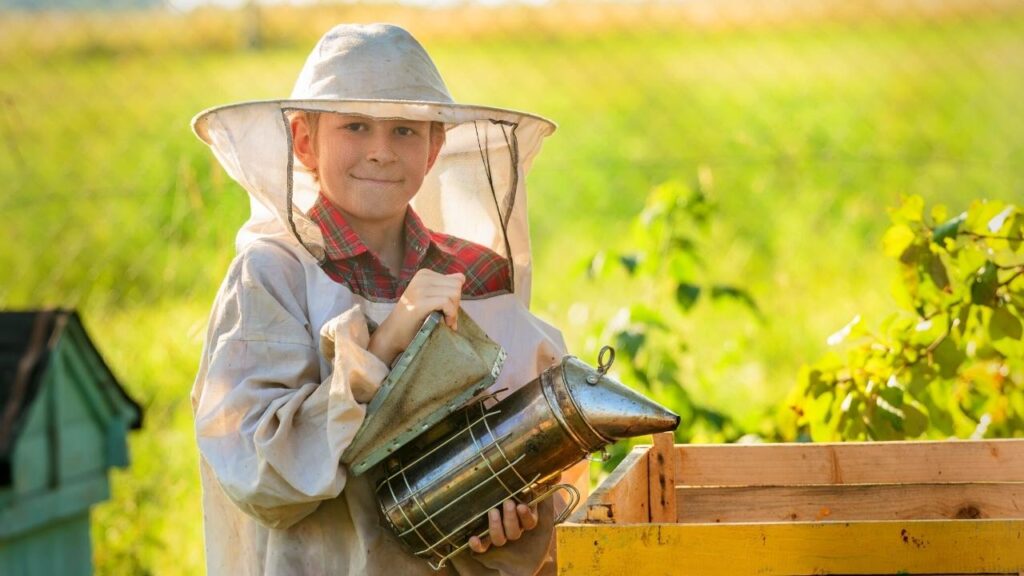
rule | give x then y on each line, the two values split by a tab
269	424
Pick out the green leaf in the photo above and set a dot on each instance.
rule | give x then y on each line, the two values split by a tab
1002	227
937	272
853	426
882	426
948	358
926	331
681	267
893	395
684	244
948	229
911	209
980	214
630	341
939	417
742	296
890	413
686	295
629	262
995	225
968	262
984	349
1004	324
647	316
964	317
915	421
850	403
815	385
919	378
974	403
1017	298
897	239
851	420
915	256
1016	232
984	285
818	414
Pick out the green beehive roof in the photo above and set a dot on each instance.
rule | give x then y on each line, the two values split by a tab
28	340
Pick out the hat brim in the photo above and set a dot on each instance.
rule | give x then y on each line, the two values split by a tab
450	114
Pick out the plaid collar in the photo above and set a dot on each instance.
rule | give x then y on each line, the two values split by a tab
351	262
341	242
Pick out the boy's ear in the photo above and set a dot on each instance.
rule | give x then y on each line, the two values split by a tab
437	136
302	142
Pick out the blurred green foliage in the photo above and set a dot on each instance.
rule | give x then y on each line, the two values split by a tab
664	279
659	281
950	362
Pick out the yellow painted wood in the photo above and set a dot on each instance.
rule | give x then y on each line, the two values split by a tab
898	547
850	463
850	502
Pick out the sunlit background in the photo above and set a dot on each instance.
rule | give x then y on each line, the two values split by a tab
796	123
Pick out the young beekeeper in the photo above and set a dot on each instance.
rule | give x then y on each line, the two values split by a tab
375	200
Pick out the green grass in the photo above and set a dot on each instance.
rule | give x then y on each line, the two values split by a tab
809	133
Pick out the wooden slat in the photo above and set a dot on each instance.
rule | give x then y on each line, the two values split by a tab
661	478
850	463
844	503
901	547
622	497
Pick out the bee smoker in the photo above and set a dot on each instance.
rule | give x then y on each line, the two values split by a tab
435	489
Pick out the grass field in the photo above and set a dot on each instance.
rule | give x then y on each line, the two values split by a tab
808	132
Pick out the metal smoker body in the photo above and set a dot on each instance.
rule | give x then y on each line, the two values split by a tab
435	491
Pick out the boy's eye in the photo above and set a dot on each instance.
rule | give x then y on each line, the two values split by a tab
355	126
404	131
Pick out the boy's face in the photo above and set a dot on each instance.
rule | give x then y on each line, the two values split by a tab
368	168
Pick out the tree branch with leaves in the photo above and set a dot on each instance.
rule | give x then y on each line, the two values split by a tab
950	362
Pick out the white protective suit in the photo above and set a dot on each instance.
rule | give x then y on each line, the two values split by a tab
285	354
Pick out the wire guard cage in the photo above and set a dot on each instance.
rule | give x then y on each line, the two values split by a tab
439	497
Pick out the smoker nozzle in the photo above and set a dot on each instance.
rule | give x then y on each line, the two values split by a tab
611	409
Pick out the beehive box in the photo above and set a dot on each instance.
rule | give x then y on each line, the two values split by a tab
948	507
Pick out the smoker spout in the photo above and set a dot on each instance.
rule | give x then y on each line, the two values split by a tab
610	408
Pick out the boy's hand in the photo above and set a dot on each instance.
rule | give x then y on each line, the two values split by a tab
506	524
426	292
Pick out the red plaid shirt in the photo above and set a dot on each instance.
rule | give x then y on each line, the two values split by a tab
351	263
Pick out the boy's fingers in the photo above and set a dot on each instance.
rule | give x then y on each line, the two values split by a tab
479	546
456	279
510	520
527	517
436	279
450	307
497	532
435	291
423	275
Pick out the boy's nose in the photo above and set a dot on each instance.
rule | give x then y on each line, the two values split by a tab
380	149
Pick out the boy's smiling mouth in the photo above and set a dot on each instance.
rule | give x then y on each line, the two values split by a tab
376	180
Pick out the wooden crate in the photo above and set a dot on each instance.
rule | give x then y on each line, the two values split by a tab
948	507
